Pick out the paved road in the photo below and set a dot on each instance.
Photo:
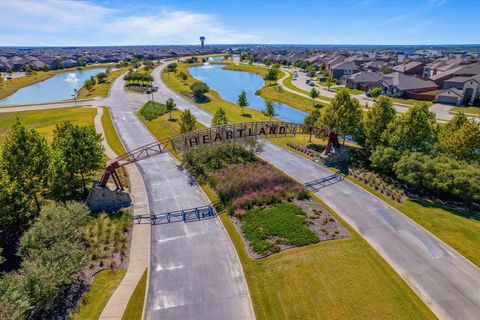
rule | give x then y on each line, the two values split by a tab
92	102
447	282
195	273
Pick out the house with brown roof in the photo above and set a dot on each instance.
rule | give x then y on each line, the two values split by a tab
343	68
460	90
399	85
411	68
364	80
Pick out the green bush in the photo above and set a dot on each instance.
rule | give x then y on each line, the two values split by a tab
282	223
152	110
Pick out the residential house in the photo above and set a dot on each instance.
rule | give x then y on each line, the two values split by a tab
460	90
411	68
343	69
364	80
399	85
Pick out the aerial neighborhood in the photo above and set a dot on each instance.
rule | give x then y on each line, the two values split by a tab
421	74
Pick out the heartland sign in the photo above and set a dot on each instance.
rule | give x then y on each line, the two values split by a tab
239	132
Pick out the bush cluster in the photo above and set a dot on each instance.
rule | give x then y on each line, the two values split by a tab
283	224
253	184
152	110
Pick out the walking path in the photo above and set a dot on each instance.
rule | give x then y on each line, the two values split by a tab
445	280
139	249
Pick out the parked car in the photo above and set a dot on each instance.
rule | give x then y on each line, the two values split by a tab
311	84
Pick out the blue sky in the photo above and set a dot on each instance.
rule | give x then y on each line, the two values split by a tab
70	23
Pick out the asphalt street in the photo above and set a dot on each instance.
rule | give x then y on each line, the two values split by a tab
195	272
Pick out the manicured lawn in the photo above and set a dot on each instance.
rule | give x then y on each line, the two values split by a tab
472	110
410	102
349	90
101	89
102	287
458	228
233	111
46	120
152	110
111	134
288	83
341	279
10	86
284	221
135	304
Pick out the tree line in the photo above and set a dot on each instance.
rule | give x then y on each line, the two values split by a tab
427	156
37	182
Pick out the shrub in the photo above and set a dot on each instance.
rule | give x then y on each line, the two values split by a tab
152	110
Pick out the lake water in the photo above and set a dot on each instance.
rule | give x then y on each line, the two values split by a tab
58	87
230	83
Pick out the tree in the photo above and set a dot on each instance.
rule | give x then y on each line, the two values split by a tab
171	105
24	161
88	85
101	77
323	66
343	114
242	101
376	121
219	118
81	148
310	122
463	143
1	80
172	67
311	70
199	89
412	130
183	76
188	122
375	92
314	94
269	110
330	81
383	159
93	80
272	75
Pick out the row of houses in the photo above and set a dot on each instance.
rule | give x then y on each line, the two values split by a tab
22	59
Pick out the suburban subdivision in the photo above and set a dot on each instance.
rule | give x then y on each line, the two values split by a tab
191	174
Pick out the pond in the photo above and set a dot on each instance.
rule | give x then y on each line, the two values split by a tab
230	83
58	87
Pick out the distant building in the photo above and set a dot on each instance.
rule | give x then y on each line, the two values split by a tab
202	41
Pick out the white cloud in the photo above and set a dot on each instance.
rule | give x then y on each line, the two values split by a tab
70	22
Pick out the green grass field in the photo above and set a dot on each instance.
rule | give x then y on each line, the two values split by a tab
102	287
46	120
341	279
349	90
135	304
111	133
472	110
101	89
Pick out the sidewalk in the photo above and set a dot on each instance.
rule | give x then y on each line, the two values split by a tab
140	244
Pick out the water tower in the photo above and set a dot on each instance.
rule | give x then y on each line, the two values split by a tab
202	41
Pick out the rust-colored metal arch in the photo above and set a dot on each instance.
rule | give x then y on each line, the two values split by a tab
237	132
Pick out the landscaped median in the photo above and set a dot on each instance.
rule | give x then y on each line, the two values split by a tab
344	278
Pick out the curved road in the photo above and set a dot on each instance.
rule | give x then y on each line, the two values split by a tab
445	280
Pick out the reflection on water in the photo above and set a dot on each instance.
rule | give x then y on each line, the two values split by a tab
59	87
229	84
